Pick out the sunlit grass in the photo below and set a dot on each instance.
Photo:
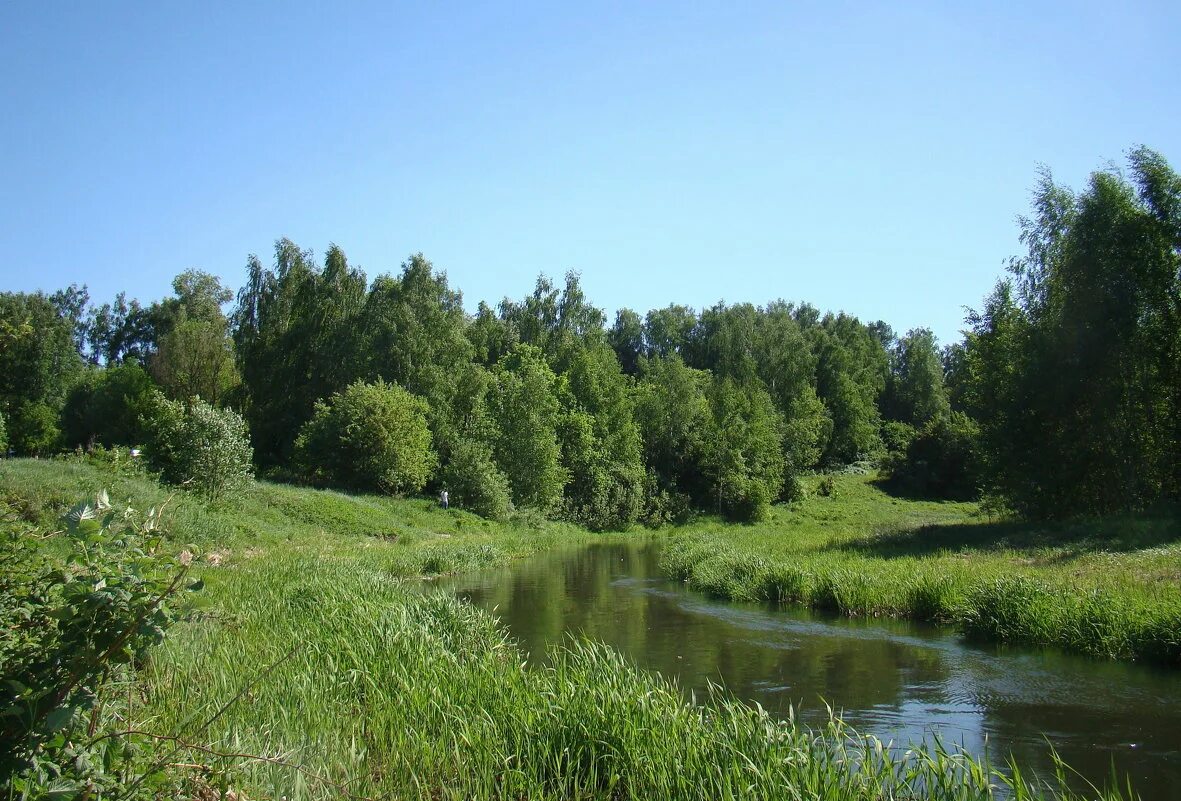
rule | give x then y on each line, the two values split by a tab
1110	589
315	651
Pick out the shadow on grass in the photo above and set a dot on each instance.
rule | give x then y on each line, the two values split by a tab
910	491
1070	539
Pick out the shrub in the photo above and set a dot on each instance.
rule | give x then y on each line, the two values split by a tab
368	437
33	429
475	483
897	436
198	446
107	407
69	632
942	459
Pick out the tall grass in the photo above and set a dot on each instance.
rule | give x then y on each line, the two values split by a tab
1108	589
395	692
319	662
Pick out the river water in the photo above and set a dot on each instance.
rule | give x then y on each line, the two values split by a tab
900	681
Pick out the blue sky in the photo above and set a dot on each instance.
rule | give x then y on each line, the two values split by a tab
870	157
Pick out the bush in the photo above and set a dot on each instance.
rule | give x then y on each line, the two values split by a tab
69	635
475	483
33	429
942	459
198	446
108	407
368	437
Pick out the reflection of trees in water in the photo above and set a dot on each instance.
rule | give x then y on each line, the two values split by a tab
874	678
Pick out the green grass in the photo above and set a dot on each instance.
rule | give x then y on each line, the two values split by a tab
314	646
1109	589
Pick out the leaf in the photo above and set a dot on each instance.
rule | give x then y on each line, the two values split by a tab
59	719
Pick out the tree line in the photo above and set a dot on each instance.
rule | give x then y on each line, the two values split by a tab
1063	397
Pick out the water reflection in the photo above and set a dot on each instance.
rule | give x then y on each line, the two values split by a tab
900	681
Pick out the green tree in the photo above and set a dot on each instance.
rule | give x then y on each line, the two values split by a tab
626	338
851	370
474	482
1086	348
108	407
368	437
525	407
194	353
747	464
199	447
196	358
678	433
39	362
550	318
296	331
600	441
668	331
414	330
942	459
915	391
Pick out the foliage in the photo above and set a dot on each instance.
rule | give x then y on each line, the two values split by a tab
678	432
1075	363
196	358
413	330
296	333
600	441
369	437
3	436
107	407
942	459
915	393
551	319
525	408
70	629
197	446
475	483
897	436
851	368
748	465
34	428
39	362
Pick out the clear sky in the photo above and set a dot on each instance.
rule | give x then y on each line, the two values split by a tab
870	157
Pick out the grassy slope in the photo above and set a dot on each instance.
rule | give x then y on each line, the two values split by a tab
1108	588
381	690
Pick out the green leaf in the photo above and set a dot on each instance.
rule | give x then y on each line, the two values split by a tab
59	719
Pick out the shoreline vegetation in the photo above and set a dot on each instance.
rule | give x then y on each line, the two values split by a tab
1108	588
429	698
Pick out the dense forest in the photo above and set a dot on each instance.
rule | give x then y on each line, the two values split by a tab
1062	399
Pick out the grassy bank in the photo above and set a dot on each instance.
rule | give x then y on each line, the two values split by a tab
1109	588
320	671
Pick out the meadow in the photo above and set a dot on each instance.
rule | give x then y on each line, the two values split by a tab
1109	588
314	665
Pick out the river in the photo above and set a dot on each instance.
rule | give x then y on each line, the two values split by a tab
898	680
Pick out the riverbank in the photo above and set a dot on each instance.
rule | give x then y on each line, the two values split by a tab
309	648
1109	588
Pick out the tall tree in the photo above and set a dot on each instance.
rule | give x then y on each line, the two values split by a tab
296	333
39	362
915	392
1085	349
525	406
